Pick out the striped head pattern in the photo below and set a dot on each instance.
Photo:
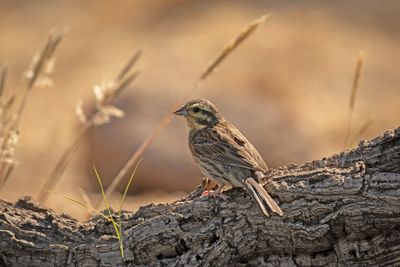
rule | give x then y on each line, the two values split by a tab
200	113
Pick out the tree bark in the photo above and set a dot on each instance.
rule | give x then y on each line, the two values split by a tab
338	211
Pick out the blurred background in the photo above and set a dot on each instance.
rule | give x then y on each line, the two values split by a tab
287	87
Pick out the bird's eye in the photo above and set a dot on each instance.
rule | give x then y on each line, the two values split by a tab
196	109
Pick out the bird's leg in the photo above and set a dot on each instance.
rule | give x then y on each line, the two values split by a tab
220	188
216	193
208	184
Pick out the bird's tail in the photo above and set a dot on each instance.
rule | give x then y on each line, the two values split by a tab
260	195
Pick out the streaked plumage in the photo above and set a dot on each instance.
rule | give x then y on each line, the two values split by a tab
223	153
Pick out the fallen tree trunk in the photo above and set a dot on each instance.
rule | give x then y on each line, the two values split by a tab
339	211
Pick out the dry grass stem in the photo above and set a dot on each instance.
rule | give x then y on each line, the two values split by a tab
354	89
232	45
41	66
85	197
60	167
38	72
361	131
103	112
227	50
356	80
3	76
43	60
9	135
130	64
134	158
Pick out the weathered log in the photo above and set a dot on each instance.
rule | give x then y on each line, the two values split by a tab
338	211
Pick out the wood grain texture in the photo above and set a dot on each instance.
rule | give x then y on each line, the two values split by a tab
338	211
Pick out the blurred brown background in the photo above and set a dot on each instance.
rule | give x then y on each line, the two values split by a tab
287	88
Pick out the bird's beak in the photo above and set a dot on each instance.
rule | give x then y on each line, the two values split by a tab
181	112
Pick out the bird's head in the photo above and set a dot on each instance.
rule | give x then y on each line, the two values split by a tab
199	113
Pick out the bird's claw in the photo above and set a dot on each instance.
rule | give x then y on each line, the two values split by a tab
211	193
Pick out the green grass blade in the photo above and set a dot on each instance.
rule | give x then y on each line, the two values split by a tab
115	225
128	185
80	203
121	244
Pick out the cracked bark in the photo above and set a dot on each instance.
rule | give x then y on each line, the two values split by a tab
338	211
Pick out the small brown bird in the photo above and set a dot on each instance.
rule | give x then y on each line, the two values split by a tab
224	154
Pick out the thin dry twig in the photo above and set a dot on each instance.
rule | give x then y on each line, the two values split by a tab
354	89
227	50
103	112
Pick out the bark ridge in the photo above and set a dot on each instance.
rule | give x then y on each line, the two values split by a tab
338	211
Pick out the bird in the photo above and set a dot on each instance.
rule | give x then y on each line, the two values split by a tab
223	154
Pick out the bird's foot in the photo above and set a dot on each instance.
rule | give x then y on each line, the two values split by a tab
211	193
208	184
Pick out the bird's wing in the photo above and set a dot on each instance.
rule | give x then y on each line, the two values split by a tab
246	146
217	145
